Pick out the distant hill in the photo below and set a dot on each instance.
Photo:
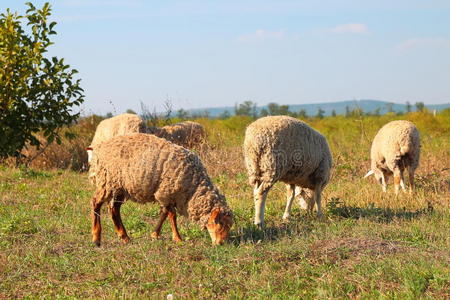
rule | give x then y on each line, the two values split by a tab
328	107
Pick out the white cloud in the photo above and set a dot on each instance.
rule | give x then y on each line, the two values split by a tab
423	42
262	34
354	28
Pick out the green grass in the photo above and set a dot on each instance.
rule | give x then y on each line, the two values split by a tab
355	252
370	245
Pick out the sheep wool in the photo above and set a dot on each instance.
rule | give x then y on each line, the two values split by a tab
282	148
396	147
187	134
146	168
118	125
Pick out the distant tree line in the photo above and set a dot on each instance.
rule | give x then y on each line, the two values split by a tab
250	109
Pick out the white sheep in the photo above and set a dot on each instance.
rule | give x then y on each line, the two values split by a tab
119	125
187	134
281	148
396	147
145	168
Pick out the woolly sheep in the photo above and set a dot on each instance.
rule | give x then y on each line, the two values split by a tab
118	125
281	148
145	168
187	134
396	147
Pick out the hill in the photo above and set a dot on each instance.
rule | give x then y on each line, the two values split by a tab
339	107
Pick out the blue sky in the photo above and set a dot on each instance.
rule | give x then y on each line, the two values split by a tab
216	53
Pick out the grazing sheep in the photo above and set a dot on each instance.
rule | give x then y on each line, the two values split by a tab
118	125
146	168
396	147
187	134
281	148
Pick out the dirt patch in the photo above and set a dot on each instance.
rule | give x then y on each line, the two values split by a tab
351	250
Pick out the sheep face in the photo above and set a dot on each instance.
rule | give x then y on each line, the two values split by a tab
218	226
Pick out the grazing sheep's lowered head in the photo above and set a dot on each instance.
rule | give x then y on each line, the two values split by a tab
219	225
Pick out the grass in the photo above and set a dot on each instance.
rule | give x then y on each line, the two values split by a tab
369	246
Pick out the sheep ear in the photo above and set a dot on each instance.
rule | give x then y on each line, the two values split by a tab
369	173
215	216
89	153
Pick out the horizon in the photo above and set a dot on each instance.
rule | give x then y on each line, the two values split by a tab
200	54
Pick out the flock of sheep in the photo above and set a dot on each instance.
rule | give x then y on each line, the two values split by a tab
128	160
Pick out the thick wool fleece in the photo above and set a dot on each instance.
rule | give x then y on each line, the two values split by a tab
395	142
187	134
281	148
145	168
119	125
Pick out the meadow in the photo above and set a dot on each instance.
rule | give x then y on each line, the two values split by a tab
369	245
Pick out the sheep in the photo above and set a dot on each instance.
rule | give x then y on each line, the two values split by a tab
118	125
187	134
145	168
282	148
396	147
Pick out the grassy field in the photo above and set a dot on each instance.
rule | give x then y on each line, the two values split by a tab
369	245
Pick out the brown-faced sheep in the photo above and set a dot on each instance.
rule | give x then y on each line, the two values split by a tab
118	125
396	147
187	134
145	168
281	148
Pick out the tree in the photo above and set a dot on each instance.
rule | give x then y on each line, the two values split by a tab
347	111
320	113
37	93
333	113
263	113
408	107
224	115
420	106
248	108
130	111
182	114
302	114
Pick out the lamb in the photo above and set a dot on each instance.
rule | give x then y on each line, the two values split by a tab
145	168
118	125
282	148
396	147
187	134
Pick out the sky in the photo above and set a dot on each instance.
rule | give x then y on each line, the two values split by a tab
199	54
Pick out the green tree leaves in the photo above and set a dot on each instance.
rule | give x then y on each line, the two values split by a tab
37	93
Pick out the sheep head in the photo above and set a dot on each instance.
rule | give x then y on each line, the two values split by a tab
219	224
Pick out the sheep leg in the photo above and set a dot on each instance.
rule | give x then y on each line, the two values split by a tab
260	196
162	217
318	201
411	179
383	182
290	193
397	179
173	224
96	225
114	209
402	182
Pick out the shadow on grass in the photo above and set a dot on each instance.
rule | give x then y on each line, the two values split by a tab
337	207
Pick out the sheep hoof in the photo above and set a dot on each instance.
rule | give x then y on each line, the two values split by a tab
96	243
126	240
155	235
178	240
286	216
